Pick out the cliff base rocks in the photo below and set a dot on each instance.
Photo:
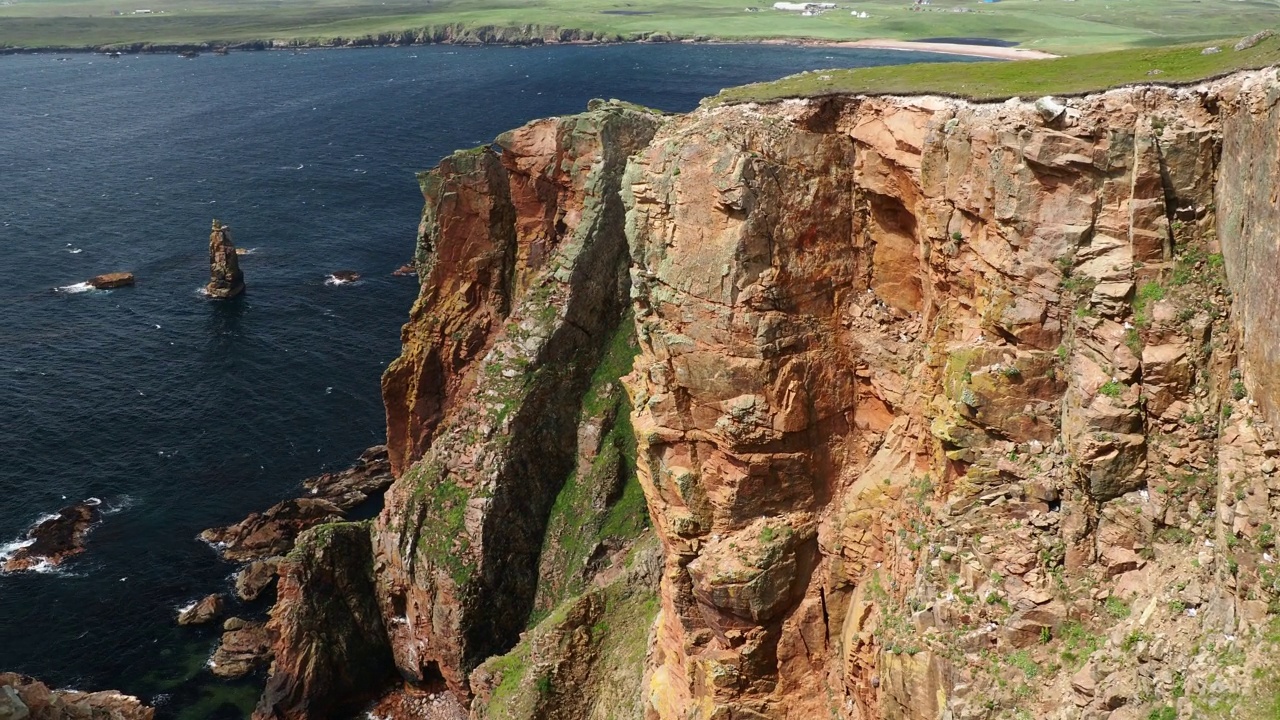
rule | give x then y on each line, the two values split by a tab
24	698
329	497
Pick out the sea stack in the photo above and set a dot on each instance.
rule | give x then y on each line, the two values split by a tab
225	278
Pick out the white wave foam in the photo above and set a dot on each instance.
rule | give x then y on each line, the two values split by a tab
118	505
77	288
8	549
183	608
44	567
336	281
202	291
246	251
75	251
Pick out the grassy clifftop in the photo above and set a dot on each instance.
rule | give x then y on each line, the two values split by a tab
1052	25
1031	78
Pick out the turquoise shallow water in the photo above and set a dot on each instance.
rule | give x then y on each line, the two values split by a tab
180	413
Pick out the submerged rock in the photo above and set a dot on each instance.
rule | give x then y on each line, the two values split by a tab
342	277
206	610
405	270
225	278
112	280
54	540
23	698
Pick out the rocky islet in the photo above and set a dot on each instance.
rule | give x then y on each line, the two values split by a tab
55	539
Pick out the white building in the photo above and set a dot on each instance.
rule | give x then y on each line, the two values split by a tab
803	7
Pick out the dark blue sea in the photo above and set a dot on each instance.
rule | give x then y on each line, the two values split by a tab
181	413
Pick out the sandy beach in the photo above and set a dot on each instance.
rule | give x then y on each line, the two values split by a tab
985	51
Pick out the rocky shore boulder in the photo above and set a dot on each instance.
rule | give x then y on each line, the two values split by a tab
225	278
25	698
255	578
262	535
245	646
329	497
207	609
54	540
108	281
369	475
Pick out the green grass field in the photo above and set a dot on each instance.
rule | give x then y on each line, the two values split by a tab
1059	26
1028	79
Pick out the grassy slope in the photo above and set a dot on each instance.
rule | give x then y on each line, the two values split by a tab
1031	78
1053	25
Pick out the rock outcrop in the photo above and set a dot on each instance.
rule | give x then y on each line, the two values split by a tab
273	532
329	497
53	540
204	610
225	278
330	648
25	698
109	281
522	264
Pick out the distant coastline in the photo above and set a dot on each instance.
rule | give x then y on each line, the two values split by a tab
521	37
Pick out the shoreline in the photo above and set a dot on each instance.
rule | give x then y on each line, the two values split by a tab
978	51
983	51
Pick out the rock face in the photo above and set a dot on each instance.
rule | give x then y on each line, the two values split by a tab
902	354
112	280
24	698
330	648
521	260
225	279
585	661
53	541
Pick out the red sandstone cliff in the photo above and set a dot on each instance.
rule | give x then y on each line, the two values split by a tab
941	410
922	382
522	261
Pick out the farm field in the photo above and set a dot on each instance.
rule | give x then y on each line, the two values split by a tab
1056	26
1028	79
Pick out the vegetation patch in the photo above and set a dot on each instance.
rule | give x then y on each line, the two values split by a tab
1076	75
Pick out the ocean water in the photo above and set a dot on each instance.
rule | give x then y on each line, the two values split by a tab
181	413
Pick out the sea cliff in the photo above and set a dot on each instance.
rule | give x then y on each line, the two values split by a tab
937	409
